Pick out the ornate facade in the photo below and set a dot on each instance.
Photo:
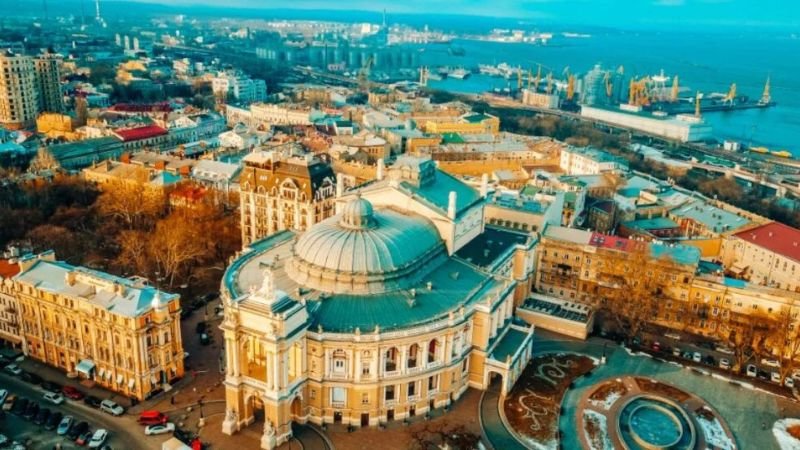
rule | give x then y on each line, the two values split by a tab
283	192
375	314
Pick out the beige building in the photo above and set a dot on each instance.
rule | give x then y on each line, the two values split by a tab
121	334
48	79
280	191
19	96
768	255
374	314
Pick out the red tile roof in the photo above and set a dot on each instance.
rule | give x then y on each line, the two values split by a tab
142	107
775	237
145	132
615	243
8	269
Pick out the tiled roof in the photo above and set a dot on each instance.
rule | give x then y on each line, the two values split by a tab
775	237
145	132
8	269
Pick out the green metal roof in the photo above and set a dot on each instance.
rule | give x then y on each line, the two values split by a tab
438	193
452	138
509	345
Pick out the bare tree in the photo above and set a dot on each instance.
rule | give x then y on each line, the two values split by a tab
174	245
131	201
44	160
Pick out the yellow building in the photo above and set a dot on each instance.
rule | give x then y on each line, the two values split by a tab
55	125
468	124
119	333
381	312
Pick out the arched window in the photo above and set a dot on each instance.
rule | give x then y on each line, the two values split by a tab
339	362
390	363
413	353
433	350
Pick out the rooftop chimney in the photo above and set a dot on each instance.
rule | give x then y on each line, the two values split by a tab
381	168
451	205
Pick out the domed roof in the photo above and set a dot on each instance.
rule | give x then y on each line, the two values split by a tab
364	251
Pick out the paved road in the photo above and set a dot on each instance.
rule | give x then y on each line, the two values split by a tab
309	438
496	432
124	432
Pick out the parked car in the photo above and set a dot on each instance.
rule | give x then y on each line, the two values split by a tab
54	398
72	393
697	357
656	346
763	375
77	430
9	402
30	377
152	418
13	369
42	416
51	386
85	437
770	362
200	328
54	420
752	370
709	360
98	438
168	427
724	363
674	336
20	406
112	408
65	425
724	350
775	377
92	401
788	382
676	352
31	411
687	355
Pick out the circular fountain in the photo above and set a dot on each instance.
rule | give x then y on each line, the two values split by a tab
649	422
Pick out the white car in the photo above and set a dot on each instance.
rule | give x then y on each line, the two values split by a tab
98	438
697	357
13	369
775	377
674	336
112	408
752	371
54	397
788	382
168	427
725	350
771	362
724	363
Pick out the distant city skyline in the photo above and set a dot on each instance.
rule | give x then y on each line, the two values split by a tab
612	13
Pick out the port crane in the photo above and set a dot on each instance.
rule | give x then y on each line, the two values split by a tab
697	97
638	93
766	98
570	84
549	83
675	90
363	75
730	97
538	78
609	85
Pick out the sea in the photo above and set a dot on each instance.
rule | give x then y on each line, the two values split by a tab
705	62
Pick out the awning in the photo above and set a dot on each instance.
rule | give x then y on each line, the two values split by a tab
86	366
101	372
131	383
120	379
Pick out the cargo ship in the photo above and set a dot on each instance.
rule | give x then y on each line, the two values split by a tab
459	74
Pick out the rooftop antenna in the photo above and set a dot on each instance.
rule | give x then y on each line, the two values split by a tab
97	10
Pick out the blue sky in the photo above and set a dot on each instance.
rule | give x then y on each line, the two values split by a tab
783	13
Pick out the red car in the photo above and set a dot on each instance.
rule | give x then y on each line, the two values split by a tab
71	392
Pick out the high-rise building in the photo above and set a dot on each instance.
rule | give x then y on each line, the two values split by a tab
235	85
280	192
48	82
19	100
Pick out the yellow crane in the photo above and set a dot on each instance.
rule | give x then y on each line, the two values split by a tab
519	78
549	82
766	98
731	96
675	89
609	85
538	78
529	79
697	104
570	87
639	92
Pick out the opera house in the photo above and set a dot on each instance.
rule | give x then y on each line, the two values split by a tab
397	304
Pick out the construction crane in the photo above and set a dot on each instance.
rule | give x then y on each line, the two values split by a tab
549	83
766	98
730	97
675	89
638	94
609	85
423	76
538	78
570	87
363	75
519	78
529	79
697	104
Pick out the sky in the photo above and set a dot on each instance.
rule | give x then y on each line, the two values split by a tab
781	13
